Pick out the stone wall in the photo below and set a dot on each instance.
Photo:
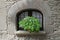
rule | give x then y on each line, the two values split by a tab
54	21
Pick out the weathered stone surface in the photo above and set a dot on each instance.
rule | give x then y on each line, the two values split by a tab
3	19
54	5
7	31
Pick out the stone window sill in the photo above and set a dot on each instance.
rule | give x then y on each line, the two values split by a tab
24	33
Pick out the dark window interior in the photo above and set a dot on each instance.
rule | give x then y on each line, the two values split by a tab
29	12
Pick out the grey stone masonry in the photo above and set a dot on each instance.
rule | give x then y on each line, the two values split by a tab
52	11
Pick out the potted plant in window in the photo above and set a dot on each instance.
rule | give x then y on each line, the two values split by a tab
30	24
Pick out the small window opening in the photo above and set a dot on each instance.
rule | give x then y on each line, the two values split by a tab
29	12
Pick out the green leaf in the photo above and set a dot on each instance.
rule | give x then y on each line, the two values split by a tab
31	24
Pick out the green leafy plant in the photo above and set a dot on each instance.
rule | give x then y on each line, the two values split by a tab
30	24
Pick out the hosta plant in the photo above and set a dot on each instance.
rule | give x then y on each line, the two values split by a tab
30	24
